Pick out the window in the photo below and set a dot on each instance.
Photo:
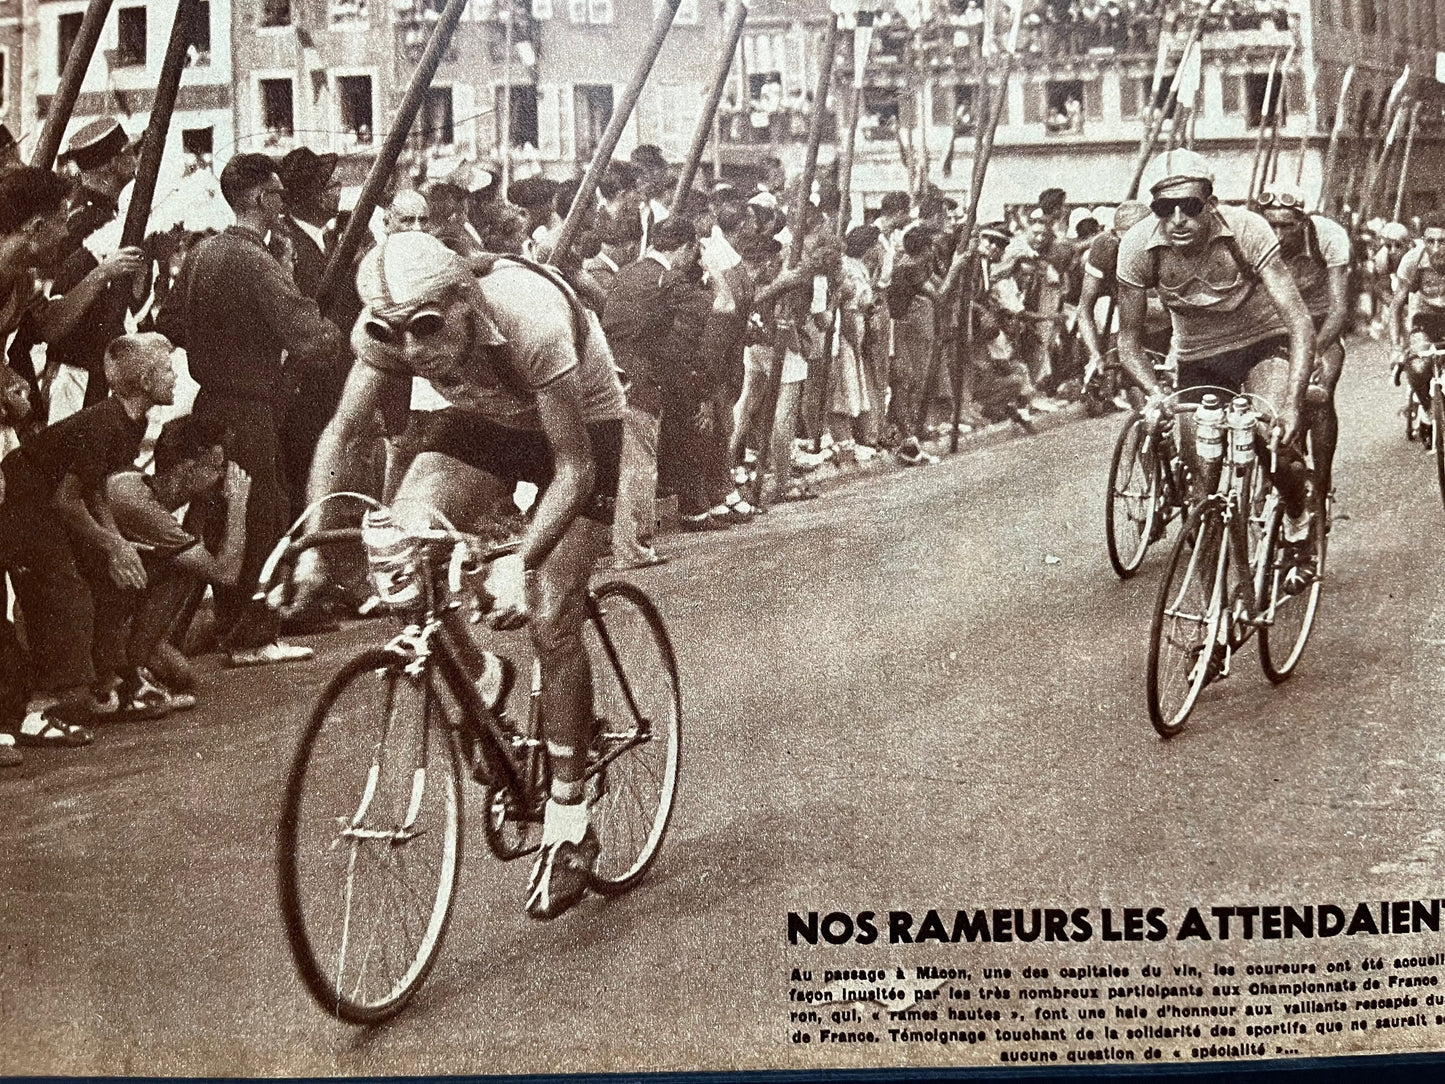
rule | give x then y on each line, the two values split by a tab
523	122
275	12
589	11
68	29
880	114
346	14
1146	84
353	95
592	109
201	34
686	12
1367	16
1064	106
1256	112
436	118
197	148
277	109
130	49
956	110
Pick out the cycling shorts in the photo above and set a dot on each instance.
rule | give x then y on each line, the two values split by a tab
1431	325
1229	370
521	455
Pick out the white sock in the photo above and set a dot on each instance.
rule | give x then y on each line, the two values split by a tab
564	821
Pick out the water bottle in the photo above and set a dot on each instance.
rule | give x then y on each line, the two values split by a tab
1241	432
1209	430
390	557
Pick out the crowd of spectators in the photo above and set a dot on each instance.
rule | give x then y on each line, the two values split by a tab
759	337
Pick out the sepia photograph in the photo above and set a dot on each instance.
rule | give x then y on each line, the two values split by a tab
721	536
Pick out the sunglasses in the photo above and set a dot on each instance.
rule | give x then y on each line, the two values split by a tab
1192	206
1287	200
420	325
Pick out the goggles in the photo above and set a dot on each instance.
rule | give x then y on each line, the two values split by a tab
1288	200
1192	206
422	324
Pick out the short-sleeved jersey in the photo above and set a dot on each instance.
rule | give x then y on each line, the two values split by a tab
141	517
523	338
1419	276
91	444
1216	305
1311	269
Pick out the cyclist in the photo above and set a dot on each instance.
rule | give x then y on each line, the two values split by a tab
1100	264
1316	250
1207	263
1422	273
534	396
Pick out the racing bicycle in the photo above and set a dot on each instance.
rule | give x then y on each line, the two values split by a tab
1233	573
1428	428
370	839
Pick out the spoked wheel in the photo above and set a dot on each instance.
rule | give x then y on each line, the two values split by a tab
1132	502
1187	637
1292	592
370	840
633	780
1437	418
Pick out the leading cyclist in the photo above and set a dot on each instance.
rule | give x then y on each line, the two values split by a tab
534	396
1207	263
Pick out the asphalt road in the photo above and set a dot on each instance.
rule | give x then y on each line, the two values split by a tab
924	689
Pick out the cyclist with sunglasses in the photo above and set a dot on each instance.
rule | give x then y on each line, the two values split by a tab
534	396
1239	321
1316	250
1422	273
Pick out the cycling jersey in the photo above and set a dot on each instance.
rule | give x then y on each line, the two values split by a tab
524	335
1327	245
1419	276
1211	295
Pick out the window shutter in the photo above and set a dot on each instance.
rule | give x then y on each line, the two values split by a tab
464	119
1093	100
1033	103
1130	92
548	136
1232	97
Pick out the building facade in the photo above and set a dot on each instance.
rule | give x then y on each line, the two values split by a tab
125	69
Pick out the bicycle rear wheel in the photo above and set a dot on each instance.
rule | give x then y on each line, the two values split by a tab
370	839
1437	417
1186	637
1132	501
636	699
1292	593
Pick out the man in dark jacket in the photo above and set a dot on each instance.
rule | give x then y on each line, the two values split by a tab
240	311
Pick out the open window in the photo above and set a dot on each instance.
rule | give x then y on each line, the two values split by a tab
275	12
1257	111
200	43
198	147
592	109
437	128
880	114
1064	106
130	50
353	100
278	109
523	124
67	30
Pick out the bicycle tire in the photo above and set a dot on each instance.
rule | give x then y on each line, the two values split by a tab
357	804
1126	556
1183	642
1290	612
1437	417
633	784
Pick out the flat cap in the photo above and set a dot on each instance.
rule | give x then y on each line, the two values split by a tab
96	143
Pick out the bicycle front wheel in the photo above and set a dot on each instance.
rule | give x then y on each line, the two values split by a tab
1132	501
1187	637
370	840
1292	592
633	779
1437	417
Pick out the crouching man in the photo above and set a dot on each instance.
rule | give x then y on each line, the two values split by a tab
190	469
